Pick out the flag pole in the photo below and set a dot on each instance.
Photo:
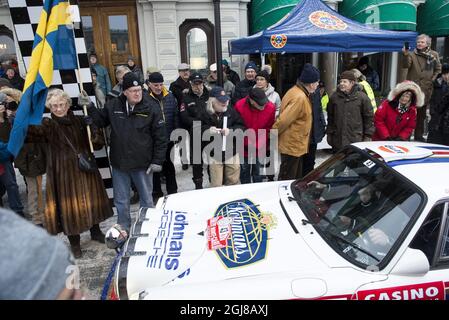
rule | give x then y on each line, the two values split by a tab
78	72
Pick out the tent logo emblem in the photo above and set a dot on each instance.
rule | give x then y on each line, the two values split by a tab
325	20
278	40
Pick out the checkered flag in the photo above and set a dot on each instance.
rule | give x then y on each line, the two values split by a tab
25	15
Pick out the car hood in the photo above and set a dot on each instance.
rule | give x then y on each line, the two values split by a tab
213	235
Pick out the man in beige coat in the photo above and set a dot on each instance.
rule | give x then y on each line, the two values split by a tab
423	66
295	123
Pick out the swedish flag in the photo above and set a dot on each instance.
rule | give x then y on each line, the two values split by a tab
53	49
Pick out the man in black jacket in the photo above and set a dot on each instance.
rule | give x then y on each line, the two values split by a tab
438	125
193	104
243	87
318	131
178	88
138	144
231	74
161	98
180	85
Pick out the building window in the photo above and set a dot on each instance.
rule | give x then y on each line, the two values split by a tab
197	44
197	49
7	47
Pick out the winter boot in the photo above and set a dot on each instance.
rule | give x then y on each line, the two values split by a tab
96	234
75	246
198	183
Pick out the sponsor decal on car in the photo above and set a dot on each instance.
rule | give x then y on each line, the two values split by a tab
424	291
244	234
167	246
394	149
218	232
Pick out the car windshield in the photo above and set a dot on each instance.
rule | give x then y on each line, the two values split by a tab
360	206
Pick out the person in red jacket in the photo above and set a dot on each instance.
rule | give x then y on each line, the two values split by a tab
258	113
395	119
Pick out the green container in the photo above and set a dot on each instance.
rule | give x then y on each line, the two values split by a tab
433	18
383	14
265	13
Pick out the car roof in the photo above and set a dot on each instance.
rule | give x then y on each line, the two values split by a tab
425	164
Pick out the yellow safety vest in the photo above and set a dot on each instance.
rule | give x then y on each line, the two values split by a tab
324	101
370	94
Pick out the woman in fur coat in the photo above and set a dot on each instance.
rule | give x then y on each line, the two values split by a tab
76	201
395	119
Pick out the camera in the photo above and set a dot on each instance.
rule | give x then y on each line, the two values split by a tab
11	106
406	45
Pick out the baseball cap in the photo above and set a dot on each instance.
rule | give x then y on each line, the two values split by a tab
196	77
183	66
219	93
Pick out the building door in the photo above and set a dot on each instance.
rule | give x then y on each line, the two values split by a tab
110	29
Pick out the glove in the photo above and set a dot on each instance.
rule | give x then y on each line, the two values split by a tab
88	120
154	168
83	99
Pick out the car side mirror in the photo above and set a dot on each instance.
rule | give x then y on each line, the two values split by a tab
412	263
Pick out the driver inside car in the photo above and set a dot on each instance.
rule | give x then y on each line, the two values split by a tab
357	216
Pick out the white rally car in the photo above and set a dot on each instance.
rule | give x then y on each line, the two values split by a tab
369	223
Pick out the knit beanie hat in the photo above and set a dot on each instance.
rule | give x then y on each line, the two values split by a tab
309	74
251	65
155	77
130	79
34	265
264	74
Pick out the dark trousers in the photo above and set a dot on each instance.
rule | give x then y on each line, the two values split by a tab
9	183
308	160
250	172
169	172
291	167
420	119
197	168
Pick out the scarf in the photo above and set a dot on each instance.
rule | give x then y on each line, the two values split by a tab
403	108
427	54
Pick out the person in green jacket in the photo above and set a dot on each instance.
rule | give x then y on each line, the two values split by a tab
103	79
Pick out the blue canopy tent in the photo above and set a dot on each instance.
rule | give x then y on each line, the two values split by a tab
312	26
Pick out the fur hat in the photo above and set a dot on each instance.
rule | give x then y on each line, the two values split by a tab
358	75
13	93
408	86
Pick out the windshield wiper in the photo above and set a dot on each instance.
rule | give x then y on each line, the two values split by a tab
353	245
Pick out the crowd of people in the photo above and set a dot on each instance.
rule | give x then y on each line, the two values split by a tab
138	117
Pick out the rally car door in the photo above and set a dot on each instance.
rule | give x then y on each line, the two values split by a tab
433	240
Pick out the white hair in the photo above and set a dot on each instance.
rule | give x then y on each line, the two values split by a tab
121	70
426	37
57	93
210	105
